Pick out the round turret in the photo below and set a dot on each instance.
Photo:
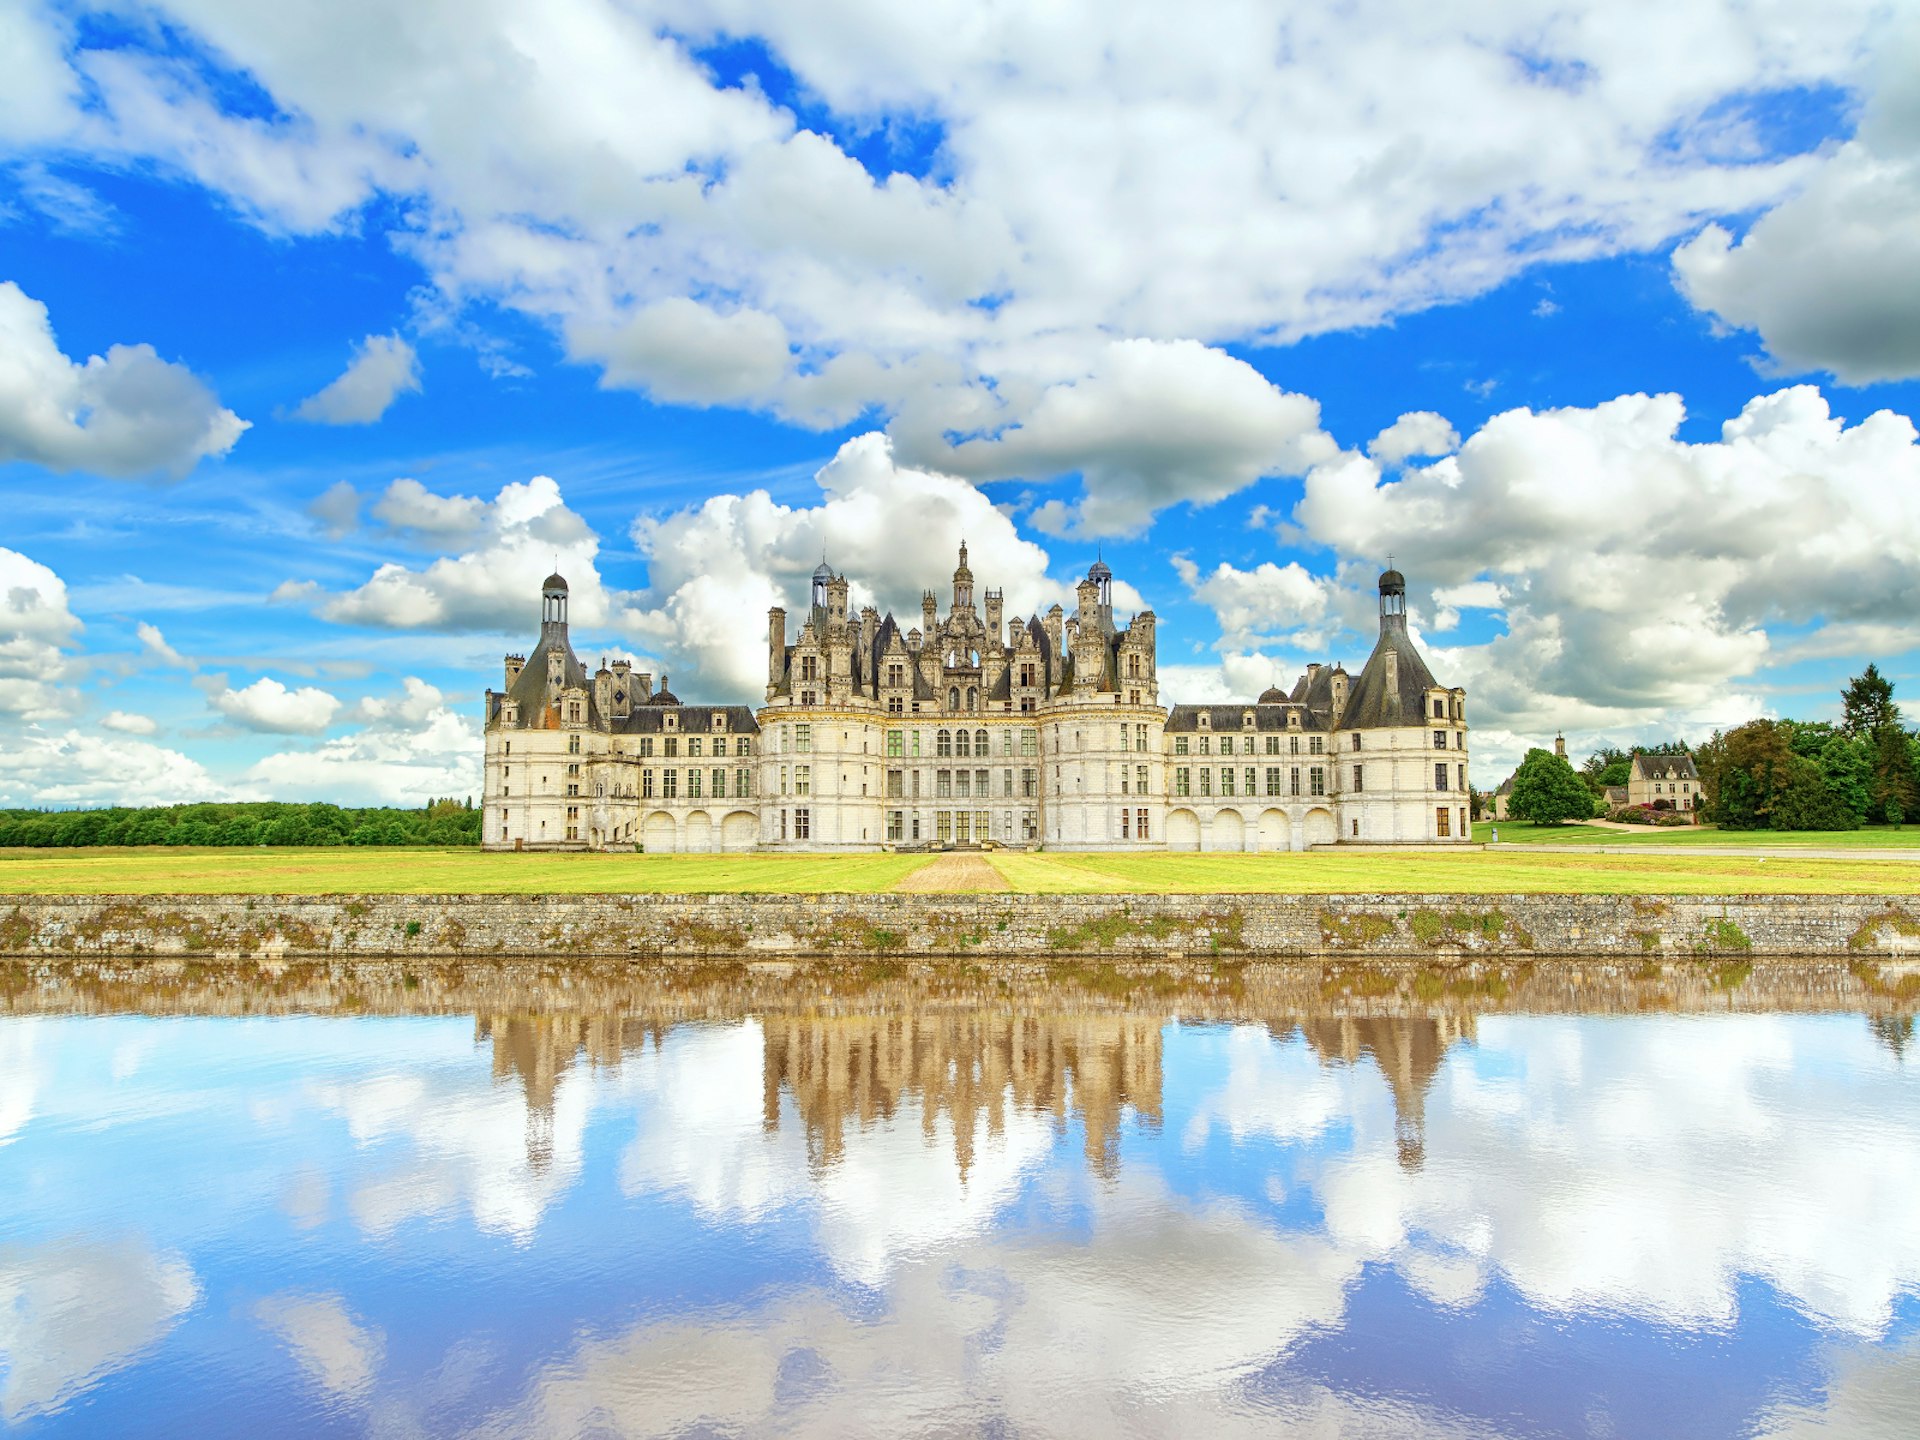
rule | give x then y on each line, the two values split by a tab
1271	696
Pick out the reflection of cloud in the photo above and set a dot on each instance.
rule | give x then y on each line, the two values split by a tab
338	1355
895	1190
1151	1328
1644	1167
1869	1395
19	1076
72	1314
466	1148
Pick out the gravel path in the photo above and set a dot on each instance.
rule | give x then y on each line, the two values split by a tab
954	873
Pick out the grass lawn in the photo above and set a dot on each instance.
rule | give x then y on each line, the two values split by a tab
371	870
1871	837
1509	869
1502	871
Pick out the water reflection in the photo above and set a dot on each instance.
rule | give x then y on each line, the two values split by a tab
530	1199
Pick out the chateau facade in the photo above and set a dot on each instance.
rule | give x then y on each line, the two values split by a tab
967	729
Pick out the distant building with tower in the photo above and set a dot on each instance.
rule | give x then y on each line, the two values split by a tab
971	728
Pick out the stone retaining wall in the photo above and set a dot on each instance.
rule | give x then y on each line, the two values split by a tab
1010	926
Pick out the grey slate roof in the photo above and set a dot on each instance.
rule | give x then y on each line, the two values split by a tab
1663	767
1225	719
1370	706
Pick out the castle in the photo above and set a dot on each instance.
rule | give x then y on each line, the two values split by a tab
971	729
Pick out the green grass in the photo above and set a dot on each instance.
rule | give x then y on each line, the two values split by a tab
1872	837
357	870
1511	869
1516	871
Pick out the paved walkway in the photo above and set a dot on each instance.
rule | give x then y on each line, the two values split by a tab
954	873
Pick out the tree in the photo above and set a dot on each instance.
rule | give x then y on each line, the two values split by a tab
1750	766
1807	802
1847	767
1609	765
1867	703
1548	792
1894	783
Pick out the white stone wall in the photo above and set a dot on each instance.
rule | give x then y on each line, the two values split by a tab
1103	766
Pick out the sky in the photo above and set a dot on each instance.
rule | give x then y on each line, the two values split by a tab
327	330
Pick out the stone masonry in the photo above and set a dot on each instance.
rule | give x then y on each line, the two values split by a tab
982	927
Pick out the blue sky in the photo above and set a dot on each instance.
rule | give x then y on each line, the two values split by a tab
324	335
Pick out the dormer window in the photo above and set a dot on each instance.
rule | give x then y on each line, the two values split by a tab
1246	720
719	720
1206	721
672	722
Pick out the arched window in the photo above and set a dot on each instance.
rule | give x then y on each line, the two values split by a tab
980	742
964	748
973	699
943	743
953	698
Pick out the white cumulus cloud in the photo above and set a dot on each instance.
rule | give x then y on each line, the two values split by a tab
1639	573
383	368
121	414
36	629
270	708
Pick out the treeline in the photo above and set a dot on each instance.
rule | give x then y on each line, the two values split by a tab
1811	775
1763	775
440	822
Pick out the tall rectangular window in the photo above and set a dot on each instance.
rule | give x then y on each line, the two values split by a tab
1126	823
1460	778
1359	781
1317	780
916	742
1006	784
1206	780
1316	744
1139	779
1293	781
896	825
646	784
1273	744
1183	781
896	784
669	784
1273	780
743	783
896	744
693	747
1226	779
803	738
943	784
1439	739
802	824
719	784
1029	742
1443	820
1029	783
1440	777
1140	825
1180	745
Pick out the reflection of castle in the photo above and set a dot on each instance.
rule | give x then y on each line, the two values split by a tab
969	1065
539	1049
1408	1052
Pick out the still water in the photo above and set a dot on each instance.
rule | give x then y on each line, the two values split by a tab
1307	1202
